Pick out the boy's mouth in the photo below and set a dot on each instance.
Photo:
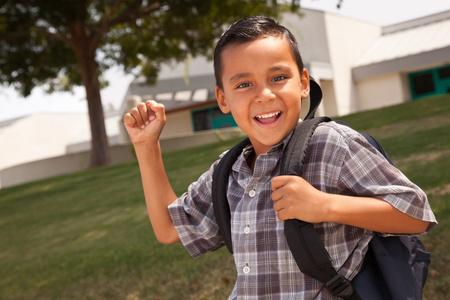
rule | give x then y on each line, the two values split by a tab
267	118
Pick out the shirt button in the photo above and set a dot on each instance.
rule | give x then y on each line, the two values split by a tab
252	193
246	269
247	229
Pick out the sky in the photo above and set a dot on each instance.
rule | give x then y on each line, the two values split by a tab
382	12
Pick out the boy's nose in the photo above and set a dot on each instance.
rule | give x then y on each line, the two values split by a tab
265	94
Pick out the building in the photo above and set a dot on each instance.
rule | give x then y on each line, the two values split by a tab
360	66
45	145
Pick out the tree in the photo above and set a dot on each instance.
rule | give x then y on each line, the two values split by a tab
61	44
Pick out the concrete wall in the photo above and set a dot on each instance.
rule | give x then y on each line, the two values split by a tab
329	98
347	39
178	123
41	136
75	162
310	32
56	166
380	91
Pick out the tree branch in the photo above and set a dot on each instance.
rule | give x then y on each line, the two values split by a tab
134	12
55	35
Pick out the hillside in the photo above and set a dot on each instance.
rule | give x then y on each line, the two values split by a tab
87	235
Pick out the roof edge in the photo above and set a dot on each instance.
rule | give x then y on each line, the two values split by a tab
401	64
416	22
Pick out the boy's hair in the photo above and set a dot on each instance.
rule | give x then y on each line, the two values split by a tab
249	29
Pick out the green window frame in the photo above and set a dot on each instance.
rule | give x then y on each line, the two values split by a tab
211	118
430	82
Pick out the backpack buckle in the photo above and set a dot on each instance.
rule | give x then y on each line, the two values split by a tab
340	286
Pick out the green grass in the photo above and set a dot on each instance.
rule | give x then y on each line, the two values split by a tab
87	235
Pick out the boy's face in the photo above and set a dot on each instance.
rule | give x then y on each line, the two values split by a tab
262	88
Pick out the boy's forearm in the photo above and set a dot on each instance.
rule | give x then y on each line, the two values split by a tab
158	192
373	214
295	198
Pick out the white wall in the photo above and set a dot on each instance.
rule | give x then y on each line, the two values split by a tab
59	165
41	136
45	135
347	41
329	98
178	123
75	162
381	91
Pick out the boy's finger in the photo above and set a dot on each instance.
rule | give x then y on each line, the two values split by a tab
135	113
129	120
278	182
276	195
157	110
151	113
143	111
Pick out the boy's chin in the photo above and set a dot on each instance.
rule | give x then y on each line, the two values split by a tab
264	144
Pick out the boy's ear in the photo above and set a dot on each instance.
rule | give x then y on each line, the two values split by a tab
304	80
220	96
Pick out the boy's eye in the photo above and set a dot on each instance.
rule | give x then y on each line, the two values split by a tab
279	78
244	85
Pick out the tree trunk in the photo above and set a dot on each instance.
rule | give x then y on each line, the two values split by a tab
100	152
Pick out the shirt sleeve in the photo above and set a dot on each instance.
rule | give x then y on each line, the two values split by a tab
193	217
357	168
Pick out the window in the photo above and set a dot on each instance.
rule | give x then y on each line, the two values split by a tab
211	118
423	83
431	82
444	72
202	120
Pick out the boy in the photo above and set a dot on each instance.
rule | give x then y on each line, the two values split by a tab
348	190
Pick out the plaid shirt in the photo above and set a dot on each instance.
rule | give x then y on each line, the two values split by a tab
338	161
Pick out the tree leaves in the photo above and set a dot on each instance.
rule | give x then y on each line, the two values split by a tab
72	42
38	37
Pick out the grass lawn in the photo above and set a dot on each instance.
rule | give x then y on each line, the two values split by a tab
87	235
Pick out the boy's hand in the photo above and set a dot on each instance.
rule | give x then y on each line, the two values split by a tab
295	198
145	122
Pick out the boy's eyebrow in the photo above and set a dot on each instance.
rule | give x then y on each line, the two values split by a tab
272	69
280	68
238	76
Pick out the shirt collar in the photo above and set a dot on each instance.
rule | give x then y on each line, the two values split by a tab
241	163
277	147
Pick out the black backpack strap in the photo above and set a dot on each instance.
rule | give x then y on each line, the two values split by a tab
295	150
303	240
222	173
219	191
315	97
304	243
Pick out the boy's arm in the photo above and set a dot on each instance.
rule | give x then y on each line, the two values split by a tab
315	206
342	163
144	124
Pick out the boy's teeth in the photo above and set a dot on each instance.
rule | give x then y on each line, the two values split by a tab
265	116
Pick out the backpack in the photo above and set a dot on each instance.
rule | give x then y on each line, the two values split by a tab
395	267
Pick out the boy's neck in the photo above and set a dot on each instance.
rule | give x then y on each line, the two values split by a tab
251	159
